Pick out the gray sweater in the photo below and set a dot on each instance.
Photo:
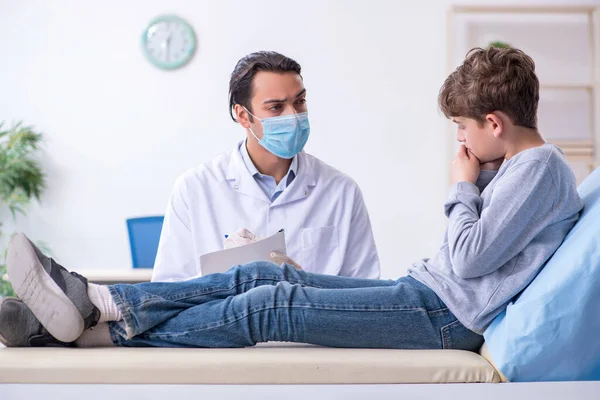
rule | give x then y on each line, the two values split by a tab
501	232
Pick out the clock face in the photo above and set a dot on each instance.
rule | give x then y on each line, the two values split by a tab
169	42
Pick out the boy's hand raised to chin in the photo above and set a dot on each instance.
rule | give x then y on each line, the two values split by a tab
465	167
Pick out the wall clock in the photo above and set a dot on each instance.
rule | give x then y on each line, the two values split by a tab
169	42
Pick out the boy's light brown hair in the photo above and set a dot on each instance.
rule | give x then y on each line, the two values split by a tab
493	79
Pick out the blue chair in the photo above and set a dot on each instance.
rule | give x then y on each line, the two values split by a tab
144	234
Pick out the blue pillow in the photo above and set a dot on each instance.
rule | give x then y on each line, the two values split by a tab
552	331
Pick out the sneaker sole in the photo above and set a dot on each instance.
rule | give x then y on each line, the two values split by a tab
34	286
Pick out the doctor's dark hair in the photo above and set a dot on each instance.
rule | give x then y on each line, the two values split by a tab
242	77
494	79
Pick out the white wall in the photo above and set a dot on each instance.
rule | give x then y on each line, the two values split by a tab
119	131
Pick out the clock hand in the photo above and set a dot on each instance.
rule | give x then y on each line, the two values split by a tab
168	46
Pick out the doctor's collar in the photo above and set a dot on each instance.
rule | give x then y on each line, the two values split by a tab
252	168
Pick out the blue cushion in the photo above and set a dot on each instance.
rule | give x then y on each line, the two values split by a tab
552	331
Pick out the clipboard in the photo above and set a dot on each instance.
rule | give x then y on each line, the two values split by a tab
223	260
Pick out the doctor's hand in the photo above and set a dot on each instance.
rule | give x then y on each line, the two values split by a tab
241	238
465	167
280	258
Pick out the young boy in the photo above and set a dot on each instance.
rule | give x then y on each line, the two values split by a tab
502	227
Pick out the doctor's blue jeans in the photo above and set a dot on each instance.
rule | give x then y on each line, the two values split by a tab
261	301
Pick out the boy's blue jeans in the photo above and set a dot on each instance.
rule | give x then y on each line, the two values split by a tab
260	302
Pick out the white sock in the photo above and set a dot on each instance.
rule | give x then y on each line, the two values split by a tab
98	336
101	298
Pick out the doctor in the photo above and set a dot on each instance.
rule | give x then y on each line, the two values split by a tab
267	183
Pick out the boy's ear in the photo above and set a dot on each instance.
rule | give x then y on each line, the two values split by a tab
496	123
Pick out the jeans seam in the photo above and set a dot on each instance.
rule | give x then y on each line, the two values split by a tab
246	315
116	333
130	323
438	311
445	334
214	291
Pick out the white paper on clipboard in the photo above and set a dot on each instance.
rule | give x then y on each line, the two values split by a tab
223	260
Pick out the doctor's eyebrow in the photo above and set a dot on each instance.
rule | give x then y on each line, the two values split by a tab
302	92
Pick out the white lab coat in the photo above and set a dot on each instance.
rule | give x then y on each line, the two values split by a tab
326	223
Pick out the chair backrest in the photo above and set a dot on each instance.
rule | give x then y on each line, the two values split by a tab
144	234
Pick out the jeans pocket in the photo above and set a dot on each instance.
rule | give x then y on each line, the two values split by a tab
456	336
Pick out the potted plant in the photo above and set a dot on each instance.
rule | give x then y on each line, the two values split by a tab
499	44
21	180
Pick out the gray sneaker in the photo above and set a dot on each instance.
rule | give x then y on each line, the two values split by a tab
57	297
20	328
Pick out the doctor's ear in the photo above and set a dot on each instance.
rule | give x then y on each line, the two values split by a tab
242	116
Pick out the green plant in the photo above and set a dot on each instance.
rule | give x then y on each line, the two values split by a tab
21	179
498	44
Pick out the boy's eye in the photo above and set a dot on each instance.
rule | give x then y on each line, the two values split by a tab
276	107
301	101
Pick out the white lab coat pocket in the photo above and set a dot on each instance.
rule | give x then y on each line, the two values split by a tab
320	250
